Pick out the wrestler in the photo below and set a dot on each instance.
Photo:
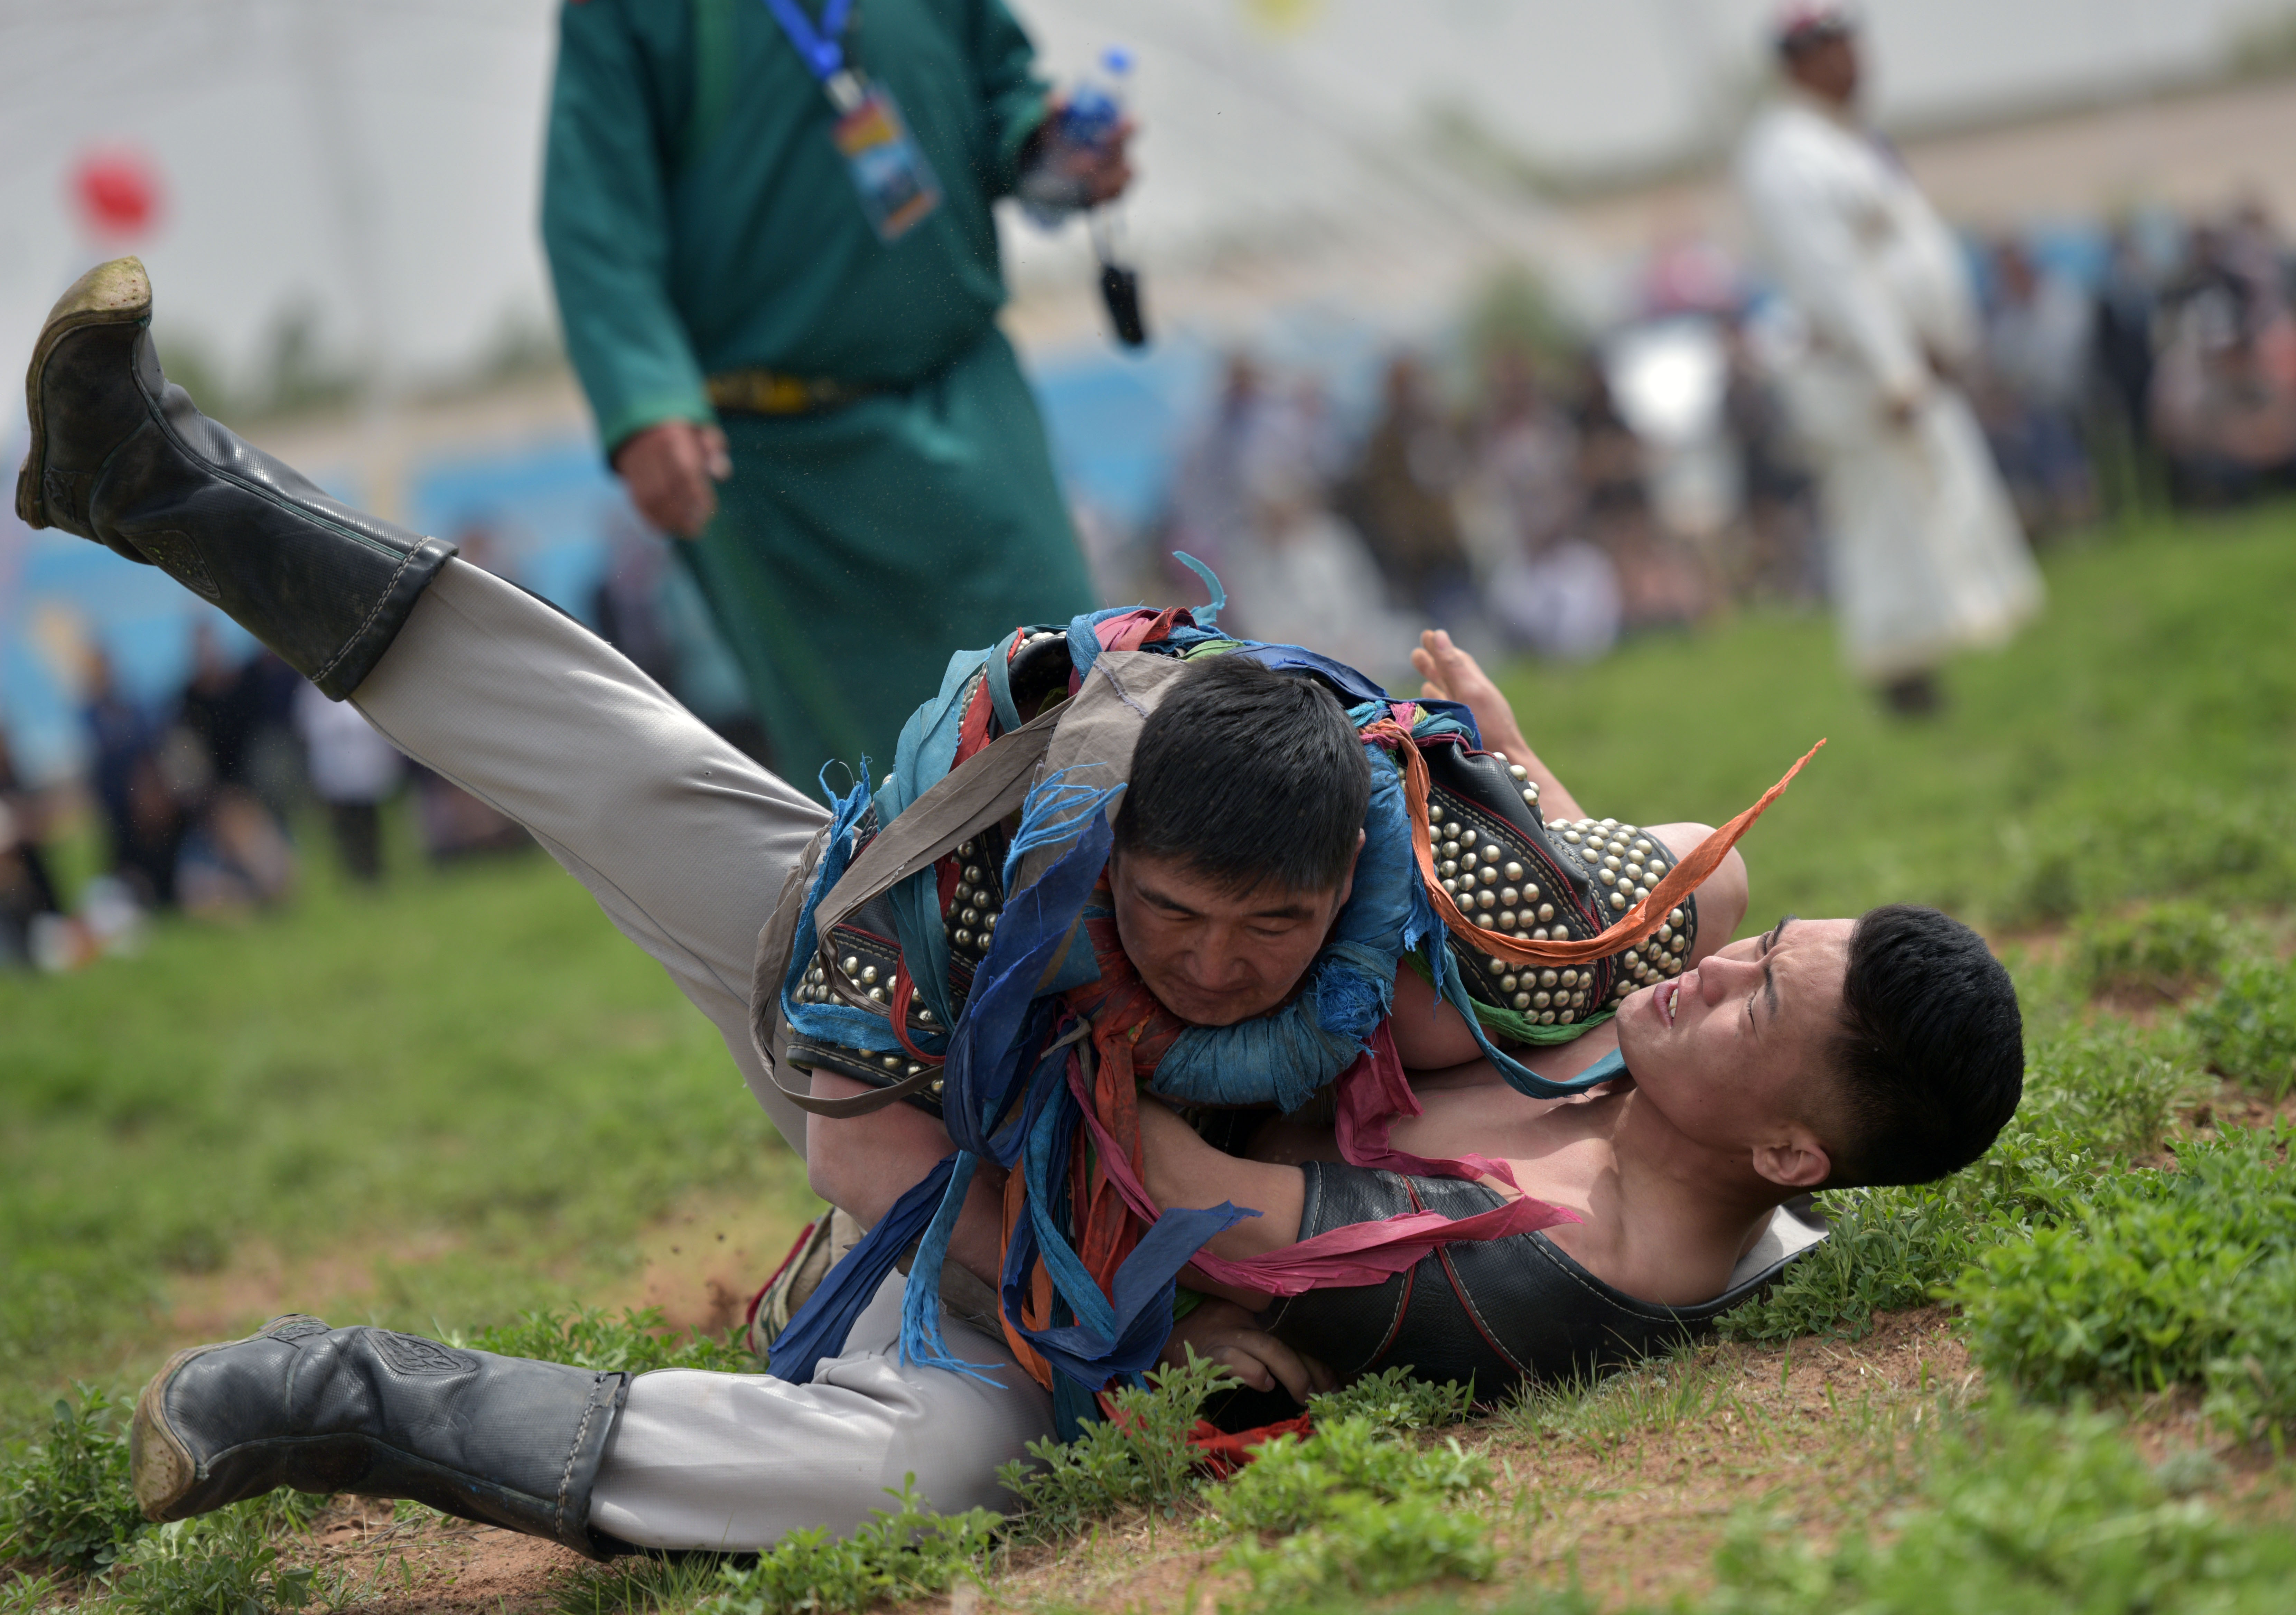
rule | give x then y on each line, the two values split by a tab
683	842
1820	1054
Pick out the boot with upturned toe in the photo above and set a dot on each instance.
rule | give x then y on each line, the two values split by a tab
504	1440
120	455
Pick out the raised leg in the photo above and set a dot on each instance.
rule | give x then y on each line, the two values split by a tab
683	839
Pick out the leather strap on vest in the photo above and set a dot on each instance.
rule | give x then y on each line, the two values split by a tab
989	786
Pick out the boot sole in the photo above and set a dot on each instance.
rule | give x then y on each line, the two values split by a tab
160	1466
117	293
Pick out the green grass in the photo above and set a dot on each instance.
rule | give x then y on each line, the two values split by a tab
2138	740
470	1086
469	1080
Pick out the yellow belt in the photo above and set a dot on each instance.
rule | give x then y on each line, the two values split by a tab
774	392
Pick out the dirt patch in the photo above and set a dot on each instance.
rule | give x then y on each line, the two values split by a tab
260	1282
2234	1105
396	1559
703	1262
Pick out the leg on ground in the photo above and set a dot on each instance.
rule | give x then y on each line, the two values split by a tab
733	1462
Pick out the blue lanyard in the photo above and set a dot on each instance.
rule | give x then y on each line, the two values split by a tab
819	49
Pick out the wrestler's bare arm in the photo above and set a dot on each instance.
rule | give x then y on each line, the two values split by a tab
862	1164
1180	1170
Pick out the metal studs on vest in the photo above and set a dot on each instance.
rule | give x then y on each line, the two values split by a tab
1489	855
970	919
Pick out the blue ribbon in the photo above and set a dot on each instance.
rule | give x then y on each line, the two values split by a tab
1005	1090
818	48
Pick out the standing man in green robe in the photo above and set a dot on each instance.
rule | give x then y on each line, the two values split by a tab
769	225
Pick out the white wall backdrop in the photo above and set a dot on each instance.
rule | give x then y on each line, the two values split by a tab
376	162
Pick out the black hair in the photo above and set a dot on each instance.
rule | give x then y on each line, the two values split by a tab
1930	1059
1249	777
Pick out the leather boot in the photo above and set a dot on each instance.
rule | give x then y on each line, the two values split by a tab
121	456
504	1440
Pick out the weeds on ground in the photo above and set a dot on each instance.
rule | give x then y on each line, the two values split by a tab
2022	1510
2168	949
1139	1457
1598	1412
28	1593
227	1561
2114	1087
903	1553
1295	1482
1393	1401
1367	1546
2155	1279
636	1342
1350	1508
2247	1028
67	1501
639	1585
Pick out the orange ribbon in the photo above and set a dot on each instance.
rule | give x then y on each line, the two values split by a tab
1633	928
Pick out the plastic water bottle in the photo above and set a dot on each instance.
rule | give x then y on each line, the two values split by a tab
1096	105
1049	195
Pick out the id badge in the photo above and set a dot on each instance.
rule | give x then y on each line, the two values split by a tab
897	188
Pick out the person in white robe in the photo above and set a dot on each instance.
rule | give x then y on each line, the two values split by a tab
1927	556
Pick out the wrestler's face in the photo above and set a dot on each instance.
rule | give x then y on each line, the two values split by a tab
1734	1051
1211	955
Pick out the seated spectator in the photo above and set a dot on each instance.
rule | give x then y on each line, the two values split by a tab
353	771
2223	408
1662	582
2037	347
1399	492
1544	586
143	823
27	890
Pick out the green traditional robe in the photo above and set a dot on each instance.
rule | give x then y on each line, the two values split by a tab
699	220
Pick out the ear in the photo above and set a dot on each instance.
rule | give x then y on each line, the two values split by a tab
1796	1162
1347	880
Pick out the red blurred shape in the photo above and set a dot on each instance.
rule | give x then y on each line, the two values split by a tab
117	189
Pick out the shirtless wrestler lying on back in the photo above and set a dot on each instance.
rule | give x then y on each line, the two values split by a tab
1819	1054
1822	1053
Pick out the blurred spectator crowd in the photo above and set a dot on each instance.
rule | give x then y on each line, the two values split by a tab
1528	490
196	798
1550	496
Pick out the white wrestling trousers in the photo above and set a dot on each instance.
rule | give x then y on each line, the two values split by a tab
684	842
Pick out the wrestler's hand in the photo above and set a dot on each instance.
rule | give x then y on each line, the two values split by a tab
1222	1332
668	469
